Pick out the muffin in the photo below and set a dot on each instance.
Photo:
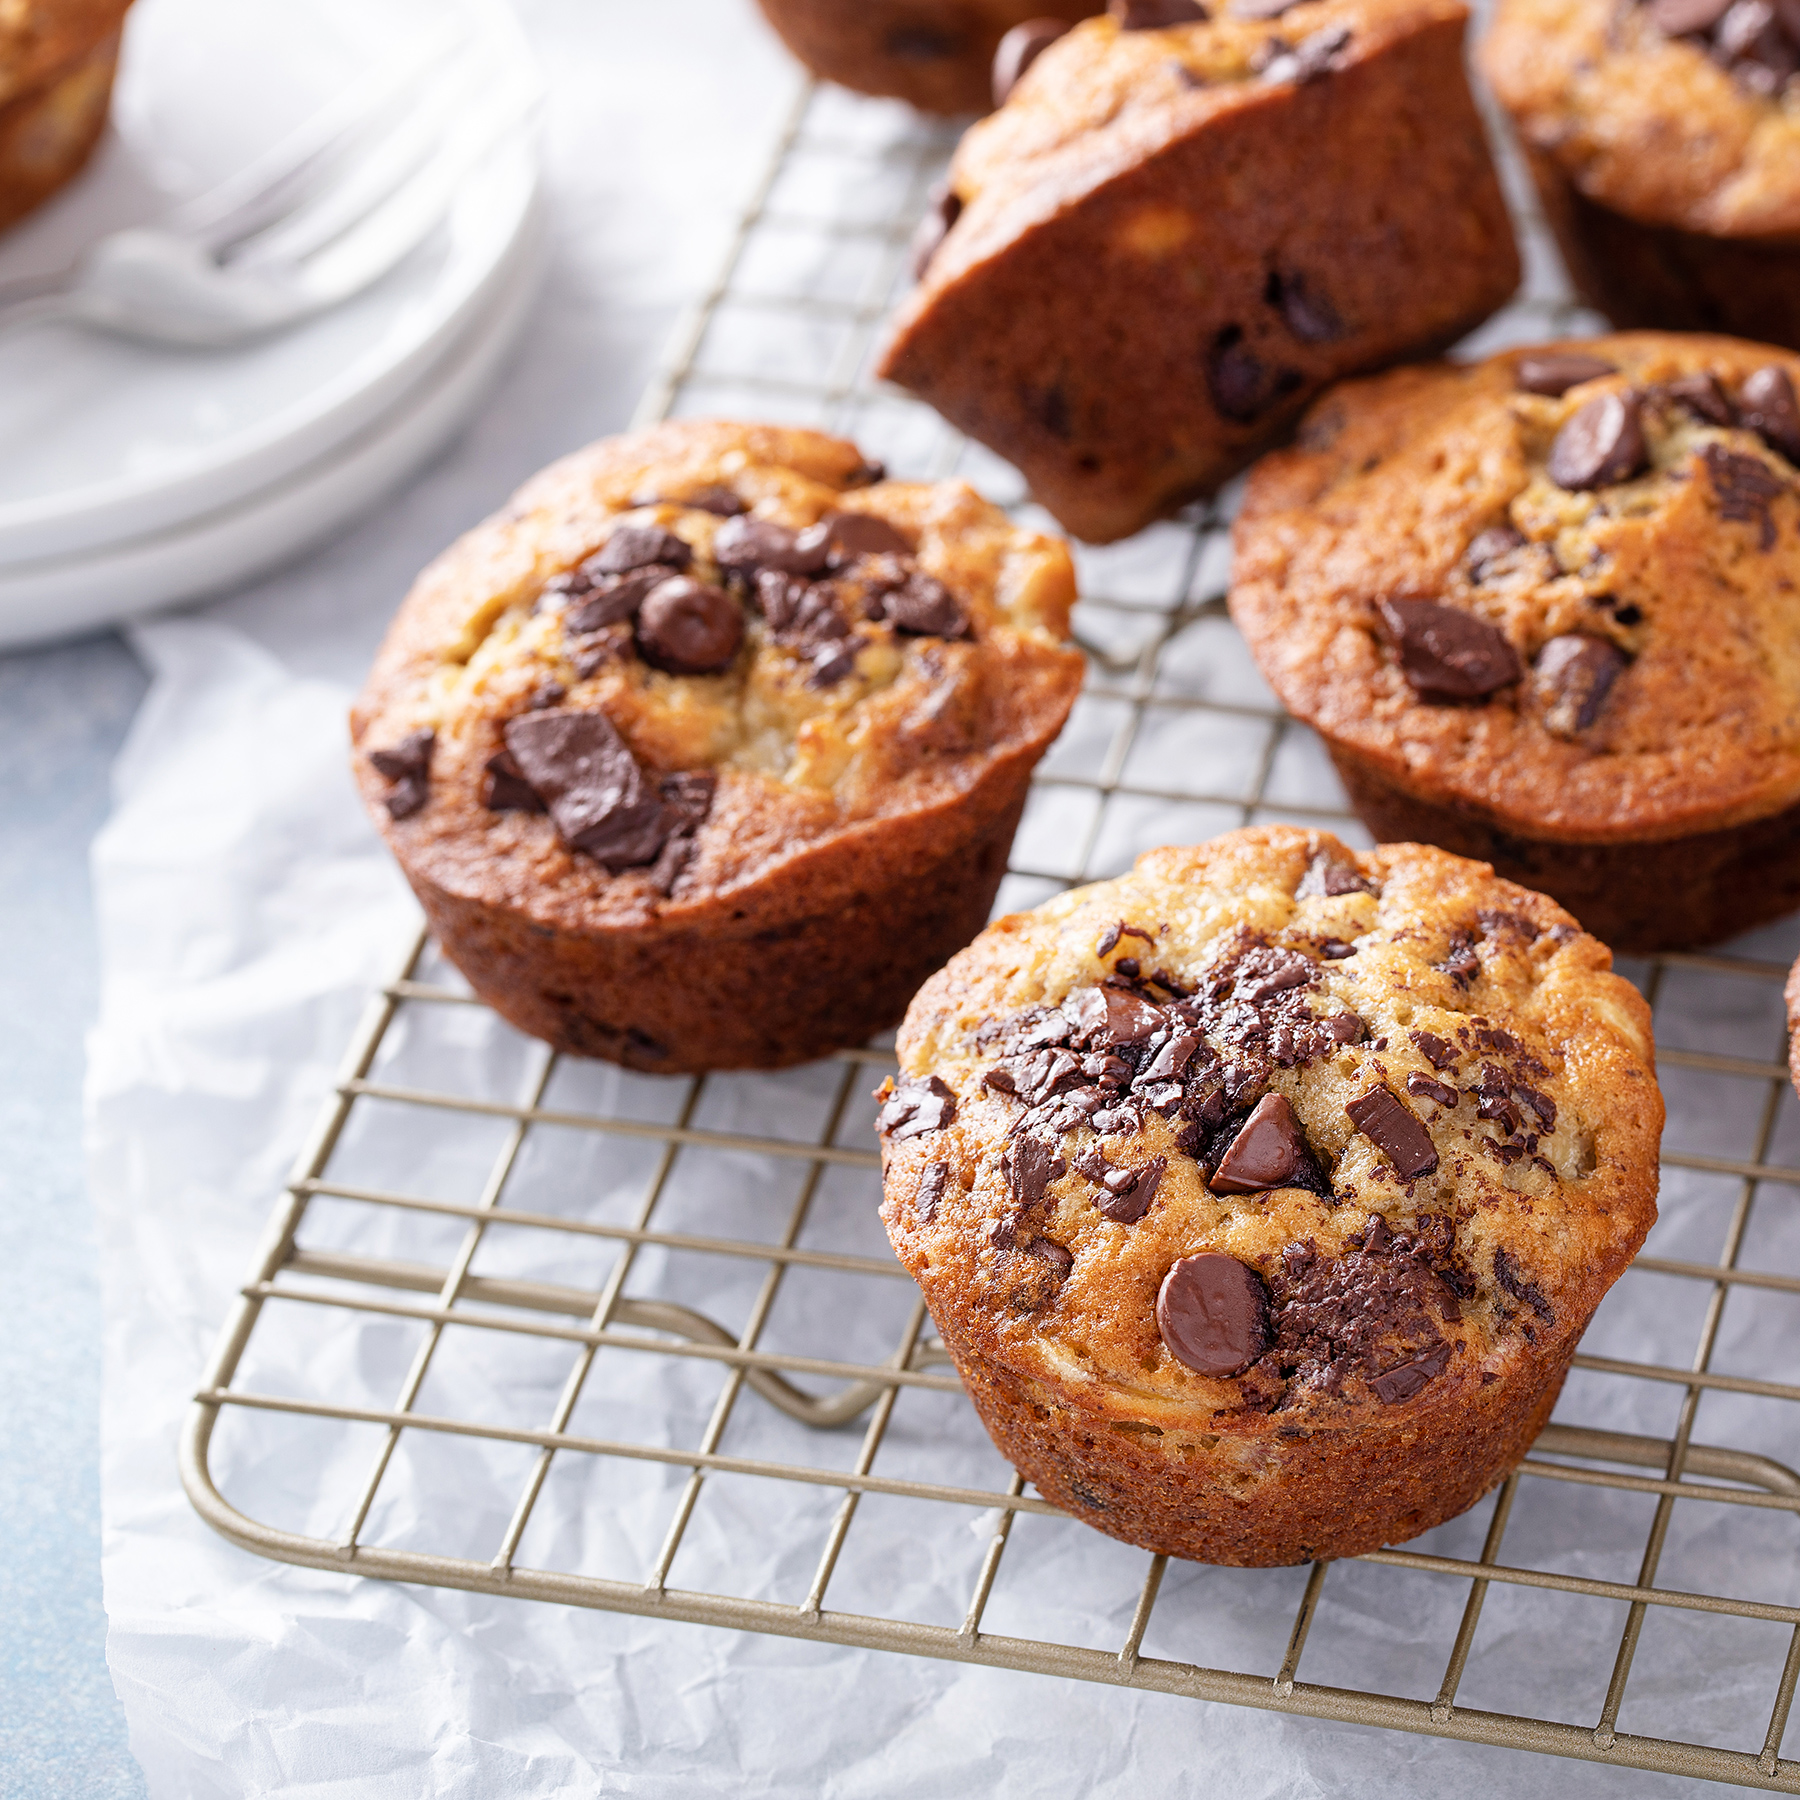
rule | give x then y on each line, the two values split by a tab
1262	1195
1542	611
57	59
1172	236
1664	136
937	54
709	747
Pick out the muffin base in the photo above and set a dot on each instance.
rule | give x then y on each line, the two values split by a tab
48	133
1660	277
1639	897
1266	1501
705	988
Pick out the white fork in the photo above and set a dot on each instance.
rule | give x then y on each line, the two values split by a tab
315	221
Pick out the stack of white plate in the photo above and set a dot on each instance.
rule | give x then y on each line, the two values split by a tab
133	477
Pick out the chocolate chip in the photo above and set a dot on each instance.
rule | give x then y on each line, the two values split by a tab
850	535
1460	962
742	547
1155	15
1031	1165
1309	59
687	627
1173	1057
1238	380
1060	1259
1448	654
1572	677
1767	406
923	607
1309	315
1434	1049
1266	1151
1127	1202
1422	1087
546	693
1507	1273
930	1191
1600	444
1702	396
1213	1313
636	547
917	1105
1336	950
617	599
1111	1016
1019	49
721	502
1488	547
1393	1130
1749	30
591	785
1410	1377
1555	372
929	234
1327	878
407	765
1746	488
1682	18
508	790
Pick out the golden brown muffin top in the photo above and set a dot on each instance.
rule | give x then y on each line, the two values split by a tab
702	647
1673	112
1104	96
1560	583
1399	1110
38	38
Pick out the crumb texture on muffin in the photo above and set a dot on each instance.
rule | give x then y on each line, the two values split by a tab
1408	1098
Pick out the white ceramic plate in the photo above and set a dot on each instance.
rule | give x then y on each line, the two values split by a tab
105	442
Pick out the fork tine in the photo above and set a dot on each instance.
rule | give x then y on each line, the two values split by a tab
281	179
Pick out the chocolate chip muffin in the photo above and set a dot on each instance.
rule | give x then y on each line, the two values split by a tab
1174	234
1262	1195
57	59
1664	136
709	747
1542	610
937	54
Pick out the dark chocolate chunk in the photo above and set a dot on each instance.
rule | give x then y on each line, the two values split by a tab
1601	443
1060	1259
636	547
1155	15
917	1105
721	502
1572	677
1683	18
687	798
1019	49
546	693
1460	962
687	627
1767	406
1511	1278
1172	1057
1702	396
616	599
1304	307
1540	1103
1746	488
1392	1129
508	790
929	234
1311	58
921	43
1488	547
407	765
930	1191
799	611
1213	1313
1128	1203
1031	1165
1108	940
1409	1378
1447	654
1237	378
595	792
1436	1051
1327	878
743	546
1111	1016
849	535
1493	1098
1423	1087
1335	950
923	607
1554	372
1266	1151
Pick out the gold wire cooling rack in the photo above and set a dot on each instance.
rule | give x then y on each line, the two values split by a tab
563	1316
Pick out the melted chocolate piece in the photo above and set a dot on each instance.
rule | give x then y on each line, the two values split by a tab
1572	677
507	788
1555	372
1702	396
721	502
687	627
1266	1152
1447	654
1387	1124
1327	879
921	606
617	598
1410	1377
1600	444
929	234
1767	406
1019	49
1422	1087
1031	1165
596	794
1460	962
1489	547
1111	1015
1310	59
1241	385
1124	1195
546	693
407	765
687	799
636	547
1746	488
1108	940
1509	1276
930	1191
917	1105
743	547
1155	15
1047	1250
1213	1313
850	535
1304	308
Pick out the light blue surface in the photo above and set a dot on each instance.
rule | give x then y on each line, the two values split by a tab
63	713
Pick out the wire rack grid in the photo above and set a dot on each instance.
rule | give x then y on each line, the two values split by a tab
551	1283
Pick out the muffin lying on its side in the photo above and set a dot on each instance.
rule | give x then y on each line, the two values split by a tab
1262	1195
709	747
1172	235
1543	611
